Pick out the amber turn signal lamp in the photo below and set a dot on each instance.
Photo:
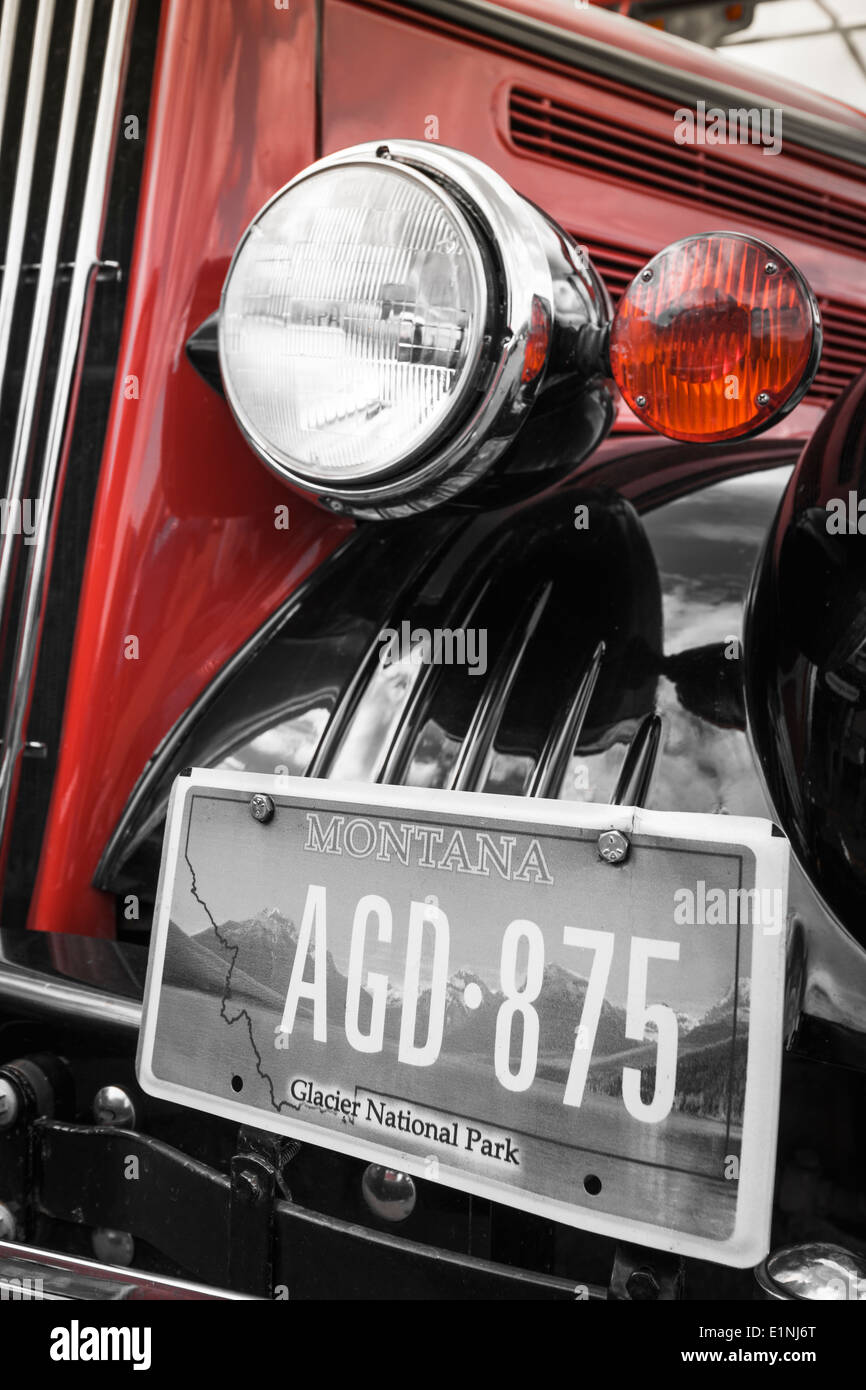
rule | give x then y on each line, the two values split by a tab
718	337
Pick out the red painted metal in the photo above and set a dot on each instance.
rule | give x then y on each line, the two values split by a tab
421	79
412	73
596	23
184	554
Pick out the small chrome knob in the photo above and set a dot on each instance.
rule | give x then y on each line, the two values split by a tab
389	1195
112	1106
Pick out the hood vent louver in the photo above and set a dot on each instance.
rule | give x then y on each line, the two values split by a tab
556	131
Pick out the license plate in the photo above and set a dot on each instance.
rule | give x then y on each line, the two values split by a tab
462	987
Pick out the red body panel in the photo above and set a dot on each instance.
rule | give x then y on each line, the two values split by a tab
184	554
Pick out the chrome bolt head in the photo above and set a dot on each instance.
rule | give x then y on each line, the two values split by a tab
8	1224
9	1104
613	846
113	1247
763	398
389	1195
261	808
112	1106
640	402
770	268
646	275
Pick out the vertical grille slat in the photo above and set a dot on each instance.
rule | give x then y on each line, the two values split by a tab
468	772
38	340
14	249
55	380
552	766
8	29
633	784
397	758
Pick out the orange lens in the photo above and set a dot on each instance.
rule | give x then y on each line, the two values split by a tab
716	338
538	341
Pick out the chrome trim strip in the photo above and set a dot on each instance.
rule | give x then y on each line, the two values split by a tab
536	36
8	27
550	770
470	765
129	1284
72	978
24	176
37	994
86	259
633	783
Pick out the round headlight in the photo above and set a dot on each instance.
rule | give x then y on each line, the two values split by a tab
387	320
352	321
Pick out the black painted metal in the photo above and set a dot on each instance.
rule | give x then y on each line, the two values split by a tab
184	1209
806	660
318	690
202	349
251	1224
125	1181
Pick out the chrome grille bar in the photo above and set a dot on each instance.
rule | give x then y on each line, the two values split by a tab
638	766
22	442
23	174
68	366
393	768
552	766
8	26
339	725
470	765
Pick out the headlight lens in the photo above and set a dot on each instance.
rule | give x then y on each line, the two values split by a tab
352	321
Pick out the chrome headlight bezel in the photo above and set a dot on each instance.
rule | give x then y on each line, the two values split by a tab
512	259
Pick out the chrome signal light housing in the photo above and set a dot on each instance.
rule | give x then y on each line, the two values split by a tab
389	320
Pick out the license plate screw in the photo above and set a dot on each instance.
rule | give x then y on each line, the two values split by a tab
261	808
613	846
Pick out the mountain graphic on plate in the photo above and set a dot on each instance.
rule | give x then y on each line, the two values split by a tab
252	961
